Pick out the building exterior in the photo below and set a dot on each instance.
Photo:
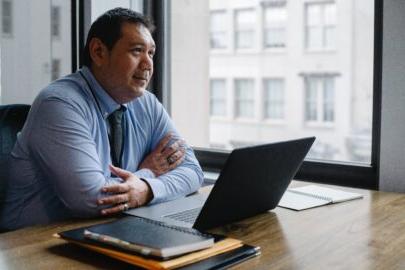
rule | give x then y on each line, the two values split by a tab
35	47
284	69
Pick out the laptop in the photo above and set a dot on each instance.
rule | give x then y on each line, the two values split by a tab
252	181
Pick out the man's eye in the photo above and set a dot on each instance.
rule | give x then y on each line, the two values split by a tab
151	54
136	50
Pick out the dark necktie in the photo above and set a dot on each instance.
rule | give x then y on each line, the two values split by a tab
116	135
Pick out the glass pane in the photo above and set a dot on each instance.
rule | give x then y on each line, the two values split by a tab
313	15
98	7
218	40
244	28
330	14
330	37
218	29
275	15
275	37
328	100
245	19
31	56
244	39
218	97
314	37
218	21
274	99
6	17
244	93
325	94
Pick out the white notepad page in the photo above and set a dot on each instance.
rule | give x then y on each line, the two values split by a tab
311	196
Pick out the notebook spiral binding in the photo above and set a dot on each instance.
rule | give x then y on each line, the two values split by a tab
325	198
177	228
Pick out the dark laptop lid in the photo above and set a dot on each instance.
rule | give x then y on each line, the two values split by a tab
252	181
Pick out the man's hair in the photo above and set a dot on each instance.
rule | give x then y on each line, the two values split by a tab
107	28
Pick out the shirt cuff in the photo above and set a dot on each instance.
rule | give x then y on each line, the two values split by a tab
144	173
158	189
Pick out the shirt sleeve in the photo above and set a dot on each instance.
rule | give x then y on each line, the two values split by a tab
62	145
185	178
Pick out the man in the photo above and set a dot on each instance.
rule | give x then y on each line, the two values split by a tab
79	125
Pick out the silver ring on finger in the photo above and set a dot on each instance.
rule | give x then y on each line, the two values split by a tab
126	207
171	160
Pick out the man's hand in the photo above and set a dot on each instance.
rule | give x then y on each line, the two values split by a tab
164	158
132	193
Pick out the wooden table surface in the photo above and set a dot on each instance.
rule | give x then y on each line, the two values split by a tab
362	234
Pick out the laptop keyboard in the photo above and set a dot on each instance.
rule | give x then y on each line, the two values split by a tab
188	216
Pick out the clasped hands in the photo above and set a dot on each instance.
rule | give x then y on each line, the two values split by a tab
134	192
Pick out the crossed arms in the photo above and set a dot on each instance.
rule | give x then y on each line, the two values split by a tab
69	153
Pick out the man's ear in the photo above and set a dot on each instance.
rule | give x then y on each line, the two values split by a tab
98	51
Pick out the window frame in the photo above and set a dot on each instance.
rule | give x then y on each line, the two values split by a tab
278	26
9	17
268	102
320	81
216	100
55	68
238	101
327	172
237	30
225	32
56	22
322	25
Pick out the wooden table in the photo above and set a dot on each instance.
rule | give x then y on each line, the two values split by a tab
360	234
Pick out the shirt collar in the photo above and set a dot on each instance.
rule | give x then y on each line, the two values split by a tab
106	102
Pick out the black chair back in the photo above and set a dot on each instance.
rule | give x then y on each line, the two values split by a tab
12	119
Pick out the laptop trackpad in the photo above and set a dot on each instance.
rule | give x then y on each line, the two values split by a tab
162	210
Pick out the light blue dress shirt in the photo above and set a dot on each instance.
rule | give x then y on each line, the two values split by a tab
60	161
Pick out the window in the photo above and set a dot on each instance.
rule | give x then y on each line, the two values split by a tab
218	97
218	30
275	20
55	69
55	22
28	58
335	105
328	95
244	28
319	99
274	99
320	28
244	98
7	17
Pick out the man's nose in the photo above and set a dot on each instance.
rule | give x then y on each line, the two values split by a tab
147	62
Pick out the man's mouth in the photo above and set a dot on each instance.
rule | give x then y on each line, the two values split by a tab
140	78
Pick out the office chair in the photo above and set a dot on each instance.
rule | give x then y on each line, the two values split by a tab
12	119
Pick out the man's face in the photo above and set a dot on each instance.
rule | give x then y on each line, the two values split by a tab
126	69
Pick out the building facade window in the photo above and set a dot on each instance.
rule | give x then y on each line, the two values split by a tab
218	97
320	25
218	30
7	17
275	23
244	98
55	73
55	22
273	99
320	99
244	28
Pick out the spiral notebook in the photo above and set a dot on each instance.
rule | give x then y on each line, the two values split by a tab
313	196
149	237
